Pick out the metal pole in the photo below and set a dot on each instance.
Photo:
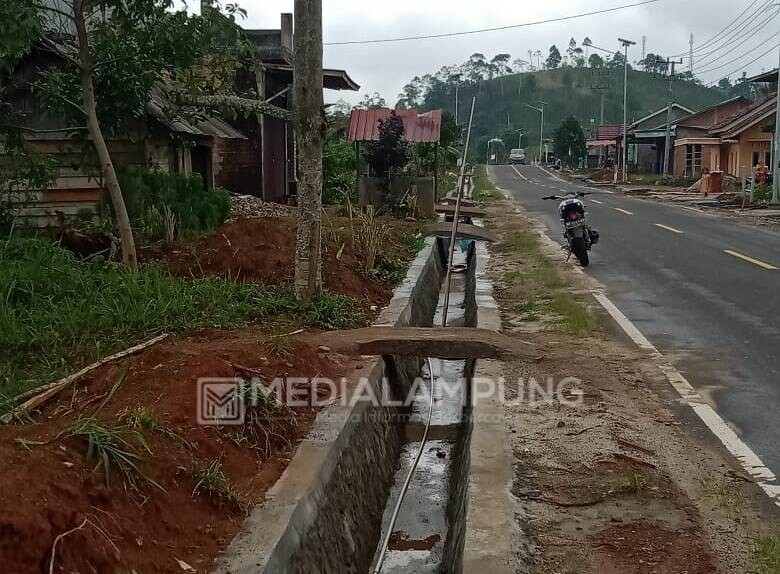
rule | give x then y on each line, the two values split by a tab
455	218
668	137
776	152
541	136
626	44
601	148
457	90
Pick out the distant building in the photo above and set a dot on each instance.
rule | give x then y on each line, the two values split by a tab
734	136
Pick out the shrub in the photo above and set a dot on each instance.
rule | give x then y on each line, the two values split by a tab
338	171
164	206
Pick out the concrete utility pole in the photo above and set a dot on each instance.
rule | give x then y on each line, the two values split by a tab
625	44
309	125
541	131
776	152
690	56
668	137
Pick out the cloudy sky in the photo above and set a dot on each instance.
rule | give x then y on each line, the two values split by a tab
667	24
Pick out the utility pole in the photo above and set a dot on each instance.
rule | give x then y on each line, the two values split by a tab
541	131
309	129
668	137
776	152
690	56
625	44
644	47
601	86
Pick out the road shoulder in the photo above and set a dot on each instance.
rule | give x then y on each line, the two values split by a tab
620	482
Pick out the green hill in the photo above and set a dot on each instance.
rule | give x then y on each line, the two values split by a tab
501	101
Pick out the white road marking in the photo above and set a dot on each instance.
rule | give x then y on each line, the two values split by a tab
607	191
752	464
596	201
623	211
749	259
520	174
672	229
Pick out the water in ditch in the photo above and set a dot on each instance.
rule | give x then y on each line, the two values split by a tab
421	536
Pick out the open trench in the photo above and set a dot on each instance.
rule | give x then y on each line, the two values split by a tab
331	509
427	536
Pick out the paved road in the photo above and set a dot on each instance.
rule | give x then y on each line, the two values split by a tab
715	314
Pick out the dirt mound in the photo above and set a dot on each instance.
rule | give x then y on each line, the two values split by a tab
263	250
51	488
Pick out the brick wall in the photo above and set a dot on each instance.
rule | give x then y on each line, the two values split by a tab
236	165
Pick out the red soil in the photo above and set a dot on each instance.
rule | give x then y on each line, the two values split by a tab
263	250
50	488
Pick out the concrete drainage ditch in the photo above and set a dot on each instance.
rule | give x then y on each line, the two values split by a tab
327	511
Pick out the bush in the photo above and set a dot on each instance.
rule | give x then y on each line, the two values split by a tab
165	206
763	193
338	170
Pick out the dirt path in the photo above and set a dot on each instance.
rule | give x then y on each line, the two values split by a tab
612	474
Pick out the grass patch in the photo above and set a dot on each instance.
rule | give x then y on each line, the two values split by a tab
59	313
540	290
483	188
107	445
575	317
768	554
211	480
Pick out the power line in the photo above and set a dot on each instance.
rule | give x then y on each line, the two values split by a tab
713	38
736	38
496	29
742	67
748	53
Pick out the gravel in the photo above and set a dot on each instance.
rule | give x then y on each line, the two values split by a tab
249	206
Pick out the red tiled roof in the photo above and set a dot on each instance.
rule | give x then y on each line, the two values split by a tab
418	127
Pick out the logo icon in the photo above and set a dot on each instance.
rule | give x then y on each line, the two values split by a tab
220	401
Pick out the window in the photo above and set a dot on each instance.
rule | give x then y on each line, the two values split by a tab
692	159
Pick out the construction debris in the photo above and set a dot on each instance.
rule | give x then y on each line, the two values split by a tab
249	207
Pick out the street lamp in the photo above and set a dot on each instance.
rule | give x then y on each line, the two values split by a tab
520	134
625	44
541	131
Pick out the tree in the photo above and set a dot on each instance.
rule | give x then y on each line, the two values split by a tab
616	61
476	68
389	153
554	58
575	54
569	141
309	130
109	55
371	102
595	61
501	63
654	63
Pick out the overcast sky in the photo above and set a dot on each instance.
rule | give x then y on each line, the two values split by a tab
385	68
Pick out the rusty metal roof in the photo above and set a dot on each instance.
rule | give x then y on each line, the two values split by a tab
418	127
609	132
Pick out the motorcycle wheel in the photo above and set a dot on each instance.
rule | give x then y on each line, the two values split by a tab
580	250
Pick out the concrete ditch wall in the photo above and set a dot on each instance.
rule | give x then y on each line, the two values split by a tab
322	516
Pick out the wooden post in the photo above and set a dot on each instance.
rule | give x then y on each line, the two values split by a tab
310	131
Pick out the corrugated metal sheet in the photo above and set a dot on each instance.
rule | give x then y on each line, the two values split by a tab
418	127
158	107
609	132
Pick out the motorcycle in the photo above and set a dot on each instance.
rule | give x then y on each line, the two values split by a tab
579	236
